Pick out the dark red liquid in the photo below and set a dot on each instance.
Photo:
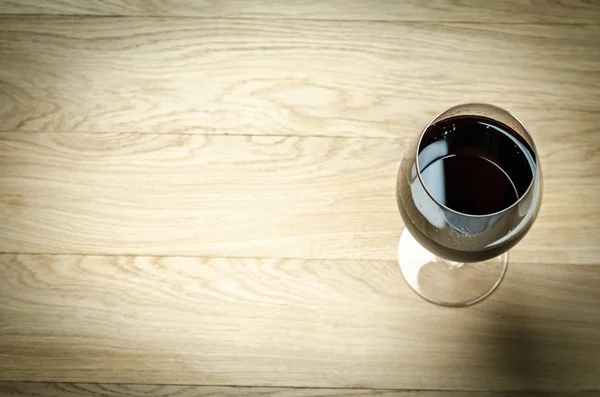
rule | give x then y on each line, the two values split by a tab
475	165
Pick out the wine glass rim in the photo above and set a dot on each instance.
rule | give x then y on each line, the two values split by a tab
489	105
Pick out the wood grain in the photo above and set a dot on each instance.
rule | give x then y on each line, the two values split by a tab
22	389
508	11
232	134
252	196
280	77
275	322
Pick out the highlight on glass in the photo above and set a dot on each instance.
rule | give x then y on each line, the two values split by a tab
469	188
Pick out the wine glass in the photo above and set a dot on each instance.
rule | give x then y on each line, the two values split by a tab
468	189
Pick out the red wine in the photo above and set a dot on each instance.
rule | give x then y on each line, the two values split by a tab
469	189
475	165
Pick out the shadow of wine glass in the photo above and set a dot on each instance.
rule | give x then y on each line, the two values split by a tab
543	328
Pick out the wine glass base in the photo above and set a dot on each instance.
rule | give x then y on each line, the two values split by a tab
448	283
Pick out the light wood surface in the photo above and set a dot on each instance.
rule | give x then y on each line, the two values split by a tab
310	197
201	194
275	322
476	11
15	389
290	77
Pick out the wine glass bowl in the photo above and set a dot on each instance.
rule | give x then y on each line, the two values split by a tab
468	189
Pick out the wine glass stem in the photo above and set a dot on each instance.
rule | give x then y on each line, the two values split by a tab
453	265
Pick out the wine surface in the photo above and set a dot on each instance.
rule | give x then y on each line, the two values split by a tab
475	165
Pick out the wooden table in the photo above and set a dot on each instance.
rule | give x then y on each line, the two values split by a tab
201	193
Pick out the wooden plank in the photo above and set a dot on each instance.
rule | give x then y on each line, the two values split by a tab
508	11
253	196
282	77
25	389
275	322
